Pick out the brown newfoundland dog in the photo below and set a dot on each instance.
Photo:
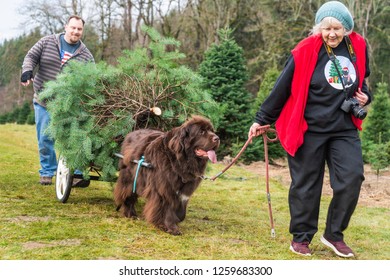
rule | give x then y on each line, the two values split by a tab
177	160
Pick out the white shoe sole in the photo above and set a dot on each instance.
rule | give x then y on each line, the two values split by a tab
330	245
295	252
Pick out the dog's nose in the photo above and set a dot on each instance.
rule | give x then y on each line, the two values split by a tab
215	138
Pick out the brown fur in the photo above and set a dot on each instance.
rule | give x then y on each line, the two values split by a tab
175	174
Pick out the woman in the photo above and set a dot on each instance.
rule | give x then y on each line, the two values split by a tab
317	116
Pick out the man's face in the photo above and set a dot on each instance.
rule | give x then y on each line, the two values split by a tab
74	30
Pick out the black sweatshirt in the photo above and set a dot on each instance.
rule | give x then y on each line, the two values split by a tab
322	112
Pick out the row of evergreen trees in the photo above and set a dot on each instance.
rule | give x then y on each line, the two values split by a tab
19	115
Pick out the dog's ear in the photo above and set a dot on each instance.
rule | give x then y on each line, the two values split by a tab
177	138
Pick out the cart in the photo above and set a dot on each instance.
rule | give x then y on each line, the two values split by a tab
64	179
65	176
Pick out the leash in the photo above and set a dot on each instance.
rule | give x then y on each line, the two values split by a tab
266	139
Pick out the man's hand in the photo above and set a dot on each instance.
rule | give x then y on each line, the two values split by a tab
26	78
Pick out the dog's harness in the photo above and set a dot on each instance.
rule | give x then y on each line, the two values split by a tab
136	173
140	162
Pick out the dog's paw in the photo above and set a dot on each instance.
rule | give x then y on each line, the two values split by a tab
130	215
174	231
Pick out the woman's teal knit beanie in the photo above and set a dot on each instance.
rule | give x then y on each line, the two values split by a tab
336	10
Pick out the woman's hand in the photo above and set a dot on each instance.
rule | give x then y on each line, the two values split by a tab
256	130
361	97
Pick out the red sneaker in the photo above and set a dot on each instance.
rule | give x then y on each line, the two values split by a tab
339	247
300	248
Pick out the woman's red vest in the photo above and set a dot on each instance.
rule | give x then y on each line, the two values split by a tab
291	124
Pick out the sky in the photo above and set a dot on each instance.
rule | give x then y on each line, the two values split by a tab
10	20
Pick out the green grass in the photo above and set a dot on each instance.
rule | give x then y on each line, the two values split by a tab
227	219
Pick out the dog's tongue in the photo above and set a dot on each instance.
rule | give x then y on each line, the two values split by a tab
212	156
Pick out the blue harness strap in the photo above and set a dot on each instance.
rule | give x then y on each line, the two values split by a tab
136	173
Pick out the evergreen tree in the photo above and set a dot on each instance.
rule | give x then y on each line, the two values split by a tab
255	151
13	115
376	129
93	107
379	156
23	113
225	76
378	118
31	118
4	118
270	77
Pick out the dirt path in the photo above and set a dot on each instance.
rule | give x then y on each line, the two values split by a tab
375	190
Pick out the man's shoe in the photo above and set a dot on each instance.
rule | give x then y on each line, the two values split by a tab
45	180
80	183
300	248
339	247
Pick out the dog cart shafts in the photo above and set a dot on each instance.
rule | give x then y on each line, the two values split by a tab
65	176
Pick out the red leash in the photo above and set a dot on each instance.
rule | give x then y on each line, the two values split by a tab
266	139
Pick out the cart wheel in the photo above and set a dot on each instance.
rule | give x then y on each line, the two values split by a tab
64	178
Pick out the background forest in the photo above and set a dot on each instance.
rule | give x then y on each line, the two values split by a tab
261	31
266	30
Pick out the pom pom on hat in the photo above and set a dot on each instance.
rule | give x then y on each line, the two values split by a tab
336	10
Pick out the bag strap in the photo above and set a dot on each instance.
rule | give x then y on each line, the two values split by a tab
352	55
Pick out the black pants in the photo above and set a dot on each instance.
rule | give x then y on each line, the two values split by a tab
343	155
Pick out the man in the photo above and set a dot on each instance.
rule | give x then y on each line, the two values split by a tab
50	55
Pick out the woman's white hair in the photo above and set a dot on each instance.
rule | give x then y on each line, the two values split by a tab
325	22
